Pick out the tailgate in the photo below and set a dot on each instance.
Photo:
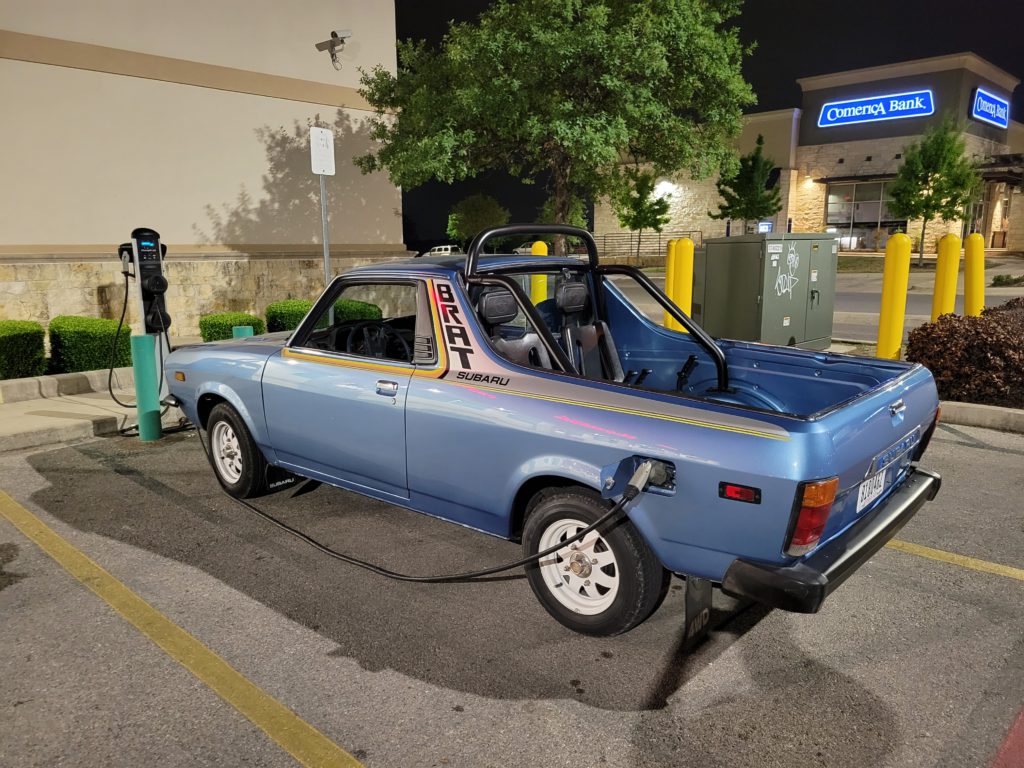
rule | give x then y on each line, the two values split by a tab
874	438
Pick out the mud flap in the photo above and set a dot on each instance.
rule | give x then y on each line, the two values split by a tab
697	611
279	479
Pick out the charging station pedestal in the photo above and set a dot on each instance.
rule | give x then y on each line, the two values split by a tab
150	345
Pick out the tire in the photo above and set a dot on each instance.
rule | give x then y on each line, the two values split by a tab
608	597
236	459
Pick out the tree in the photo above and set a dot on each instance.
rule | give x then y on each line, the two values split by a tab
567	88
745	194
637	207
473	214
936	179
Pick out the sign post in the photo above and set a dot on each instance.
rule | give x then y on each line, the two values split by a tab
321	156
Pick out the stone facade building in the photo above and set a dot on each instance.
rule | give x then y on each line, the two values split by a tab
837	151
190	118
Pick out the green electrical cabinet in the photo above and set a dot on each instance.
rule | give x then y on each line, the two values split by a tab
774	288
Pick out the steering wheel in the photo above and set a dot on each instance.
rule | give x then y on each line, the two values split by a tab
371	339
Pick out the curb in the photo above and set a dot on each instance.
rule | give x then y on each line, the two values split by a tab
96	426
987	416
61	384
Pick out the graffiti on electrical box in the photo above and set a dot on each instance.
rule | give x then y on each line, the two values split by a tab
785	281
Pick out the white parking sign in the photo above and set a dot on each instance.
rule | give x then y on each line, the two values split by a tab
321	150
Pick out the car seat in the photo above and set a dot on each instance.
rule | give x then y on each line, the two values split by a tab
496	307
589	345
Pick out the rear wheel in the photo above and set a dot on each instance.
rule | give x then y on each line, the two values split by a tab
605	584
235	457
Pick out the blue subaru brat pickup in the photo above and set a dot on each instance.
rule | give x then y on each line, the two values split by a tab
517	394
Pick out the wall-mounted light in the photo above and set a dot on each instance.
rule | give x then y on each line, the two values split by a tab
334	44
664	188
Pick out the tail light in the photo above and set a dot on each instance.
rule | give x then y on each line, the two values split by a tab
815	504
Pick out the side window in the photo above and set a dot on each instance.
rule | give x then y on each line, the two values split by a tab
373	320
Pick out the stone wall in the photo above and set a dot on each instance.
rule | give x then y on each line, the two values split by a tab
688	207
40	289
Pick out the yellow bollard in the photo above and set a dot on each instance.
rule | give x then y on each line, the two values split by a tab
974	274
946	269
539	283
670	270
894	296
682	279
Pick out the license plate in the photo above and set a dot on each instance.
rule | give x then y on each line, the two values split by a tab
871	489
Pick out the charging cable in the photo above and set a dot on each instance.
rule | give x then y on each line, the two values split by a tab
649	471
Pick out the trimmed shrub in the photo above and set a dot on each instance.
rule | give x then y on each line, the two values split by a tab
218	325
1007	280
83	344
286	315
975	359
350	309
21	349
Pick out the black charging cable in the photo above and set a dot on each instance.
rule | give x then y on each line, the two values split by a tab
648	471
113	348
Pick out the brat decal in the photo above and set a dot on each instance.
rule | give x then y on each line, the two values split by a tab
456	335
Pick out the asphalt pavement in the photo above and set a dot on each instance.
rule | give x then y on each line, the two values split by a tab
913	662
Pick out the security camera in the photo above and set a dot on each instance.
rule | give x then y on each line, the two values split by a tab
336	41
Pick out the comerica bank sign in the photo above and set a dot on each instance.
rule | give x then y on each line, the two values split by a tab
990	108
891	106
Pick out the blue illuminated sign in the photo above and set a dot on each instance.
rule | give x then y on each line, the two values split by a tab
764	227
891	106
990	108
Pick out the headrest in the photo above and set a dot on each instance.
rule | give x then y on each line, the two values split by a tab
571	297
497	306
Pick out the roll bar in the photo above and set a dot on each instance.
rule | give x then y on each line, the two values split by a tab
476	247
698	333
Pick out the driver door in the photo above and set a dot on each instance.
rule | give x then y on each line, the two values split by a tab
335	396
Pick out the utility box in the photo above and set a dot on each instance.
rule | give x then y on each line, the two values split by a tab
777	288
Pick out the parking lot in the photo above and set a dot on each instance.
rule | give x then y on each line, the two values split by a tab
916	661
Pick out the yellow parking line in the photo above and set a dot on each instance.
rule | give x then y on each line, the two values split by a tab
962	560
297	737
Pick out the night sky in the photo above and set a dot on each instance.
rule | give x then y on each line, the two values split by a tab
795	38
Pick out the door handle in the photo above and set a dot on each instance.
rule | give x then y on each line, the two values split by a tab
815	296
387	388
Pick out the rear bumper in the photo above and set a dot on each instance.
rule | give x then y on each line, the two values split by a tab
804	586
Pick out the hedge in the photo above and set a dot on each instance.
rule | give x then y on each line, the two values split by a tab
218	325
84	343
286	315
21	349
350	309
975	359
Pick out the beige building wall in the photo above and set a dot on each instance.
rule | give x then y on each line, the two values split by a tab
190	118
693	199
866	158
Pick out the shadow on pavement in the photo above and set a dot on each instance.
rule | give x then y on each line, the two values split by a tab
491	639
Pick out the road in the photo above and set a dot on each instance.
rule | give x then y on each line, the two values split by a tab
857	301
913	662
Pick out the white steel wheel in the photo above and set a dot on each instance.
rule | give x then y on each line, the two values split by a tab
227	452
604	584
584	576
234	455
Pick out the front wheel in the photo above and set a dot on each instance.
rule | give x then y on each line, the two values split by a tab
237	460
605	584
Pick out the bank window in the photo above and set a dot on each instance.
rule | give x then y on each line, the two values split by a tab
859	214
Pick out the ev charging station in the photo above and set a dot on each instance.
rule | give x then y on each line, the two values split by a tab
150	343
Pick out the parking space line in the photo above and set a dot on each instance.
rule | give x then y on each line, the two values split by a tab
962	560
301	740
